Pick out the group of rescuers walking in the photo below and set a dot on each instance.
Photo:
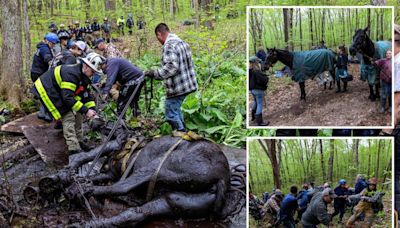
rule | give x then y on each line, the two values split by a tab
61	81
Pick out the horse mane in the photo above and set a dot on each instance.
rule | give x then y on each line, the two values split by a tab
285	56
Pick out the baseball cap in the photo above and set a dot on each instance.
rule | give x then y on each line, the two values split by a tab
329	192
97	42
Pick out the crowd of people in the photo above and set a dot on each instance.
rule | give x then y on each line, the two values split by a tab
67	70
311	204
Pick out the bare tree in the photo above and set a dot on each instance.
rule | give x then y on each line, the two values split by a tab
269	147
331	157
11	79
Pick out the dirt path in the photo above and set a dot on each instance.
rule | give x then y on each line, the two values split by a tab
323	107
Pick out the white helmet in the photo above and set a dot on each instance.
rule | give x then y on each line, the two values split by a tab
94	61
81	45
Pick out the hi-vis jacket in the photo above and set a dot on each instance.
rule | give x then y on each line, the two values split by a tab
64	88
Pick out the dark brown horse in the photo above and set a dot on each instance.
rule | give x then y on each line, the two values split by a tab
303	64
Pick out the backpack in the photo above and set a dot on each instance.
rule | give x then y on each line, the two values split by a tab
129	22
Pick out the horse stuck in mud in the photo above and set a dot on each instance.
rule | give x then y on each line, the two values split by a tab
136	181
305	64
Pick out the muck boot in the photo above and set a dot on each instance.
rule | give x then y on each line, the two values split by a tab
344	86
377	86
260	121
253	115
371	93
338	86
383	103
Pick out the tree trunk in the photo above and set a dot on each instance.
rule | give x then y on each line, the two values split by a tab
323	25
378	158
27	38
356	142
369	21
11	79
322	160
269	147
87	8
369	158
301	32
330	162
311	29
381	35
286	27
110	5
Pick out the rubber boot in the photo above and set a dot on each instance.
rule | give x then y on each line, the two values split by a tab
260	121
383	103
377	86
371	93
338	86
253	115
344	86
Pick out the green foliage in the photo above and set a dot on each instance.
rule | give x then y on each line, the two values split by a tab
29	105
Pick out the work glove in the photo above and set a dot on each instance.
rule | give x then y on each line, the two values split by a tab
149	73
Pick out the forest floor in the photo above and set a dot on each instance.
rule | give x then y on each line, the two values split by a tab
381	220
322	107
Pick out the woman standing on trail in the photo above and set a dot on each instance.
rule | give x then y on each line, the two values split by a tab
385	76
258	82
341	71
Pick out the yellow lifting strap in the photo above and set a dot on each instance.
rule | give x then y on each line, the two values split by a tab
46	100
152	183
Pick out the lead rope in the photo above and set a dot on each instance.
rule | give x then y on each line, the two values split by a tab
153	179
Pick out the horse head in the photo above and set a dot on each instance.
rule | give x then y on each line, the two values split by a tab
361	42
272	56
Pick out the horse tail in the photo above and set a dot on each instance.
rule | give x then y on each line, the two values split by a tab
220	197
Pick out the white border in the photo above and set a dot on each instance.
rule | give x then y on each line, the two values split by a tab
392	139
312	127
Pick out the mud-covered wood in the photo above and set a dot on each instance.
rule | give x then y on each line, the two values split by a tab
29	120
49	143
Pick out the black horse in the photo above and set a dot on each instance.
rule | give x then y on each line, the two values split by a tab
305	64
369	51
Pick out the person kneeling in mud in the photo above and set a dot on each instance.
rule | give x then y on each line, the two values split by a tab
271	208
258	82
385	76
365	205
341	71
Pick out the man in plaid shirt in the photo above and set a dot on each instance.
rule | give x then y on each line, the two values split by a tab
178	74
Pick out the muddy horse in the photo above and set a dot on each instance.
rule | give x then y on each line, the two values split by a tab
370	52
169	177
304	64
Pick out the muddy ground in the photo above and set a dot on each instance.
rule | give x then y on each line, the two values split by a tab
28	168
322	107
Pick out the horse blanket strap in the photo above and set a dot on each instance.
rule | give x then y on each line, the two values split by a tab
132	162
153	179
307	64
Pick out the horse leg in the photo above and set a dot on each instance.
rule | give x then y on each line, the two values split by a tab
302	91
171	204
333	79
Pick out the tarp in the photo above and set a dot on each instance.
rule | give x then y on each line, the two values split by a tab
369	72
307	64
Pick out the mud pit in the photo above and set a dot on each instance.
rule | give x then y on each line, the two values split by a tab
322	107
28	168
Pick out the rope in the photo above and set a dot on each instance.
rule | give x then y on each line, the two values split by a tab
128	169
153	179
87	204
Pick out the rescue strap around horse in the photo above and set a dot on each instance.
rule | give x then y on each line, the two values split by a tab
153	179
140	80
128	169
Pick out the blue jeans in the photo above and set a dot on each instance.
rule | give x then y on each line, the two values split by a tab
173	112
258	95
386	90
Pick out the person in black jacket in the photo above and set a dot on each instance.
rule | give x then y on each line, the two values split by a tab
258	85
340	201
59	91
341	71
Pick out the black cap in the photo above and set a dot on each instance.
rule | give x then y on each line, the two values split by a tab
97	42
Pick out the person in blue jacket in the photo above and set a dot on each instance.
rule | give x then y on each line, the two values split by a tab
303	200
289	206
339	203
40	64
361	184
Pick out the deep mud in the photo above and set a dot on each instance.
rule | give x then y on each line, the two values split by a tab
322	107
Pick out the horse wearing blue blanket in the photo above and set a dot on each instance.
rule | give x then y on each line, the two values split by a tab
370	52
304	64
